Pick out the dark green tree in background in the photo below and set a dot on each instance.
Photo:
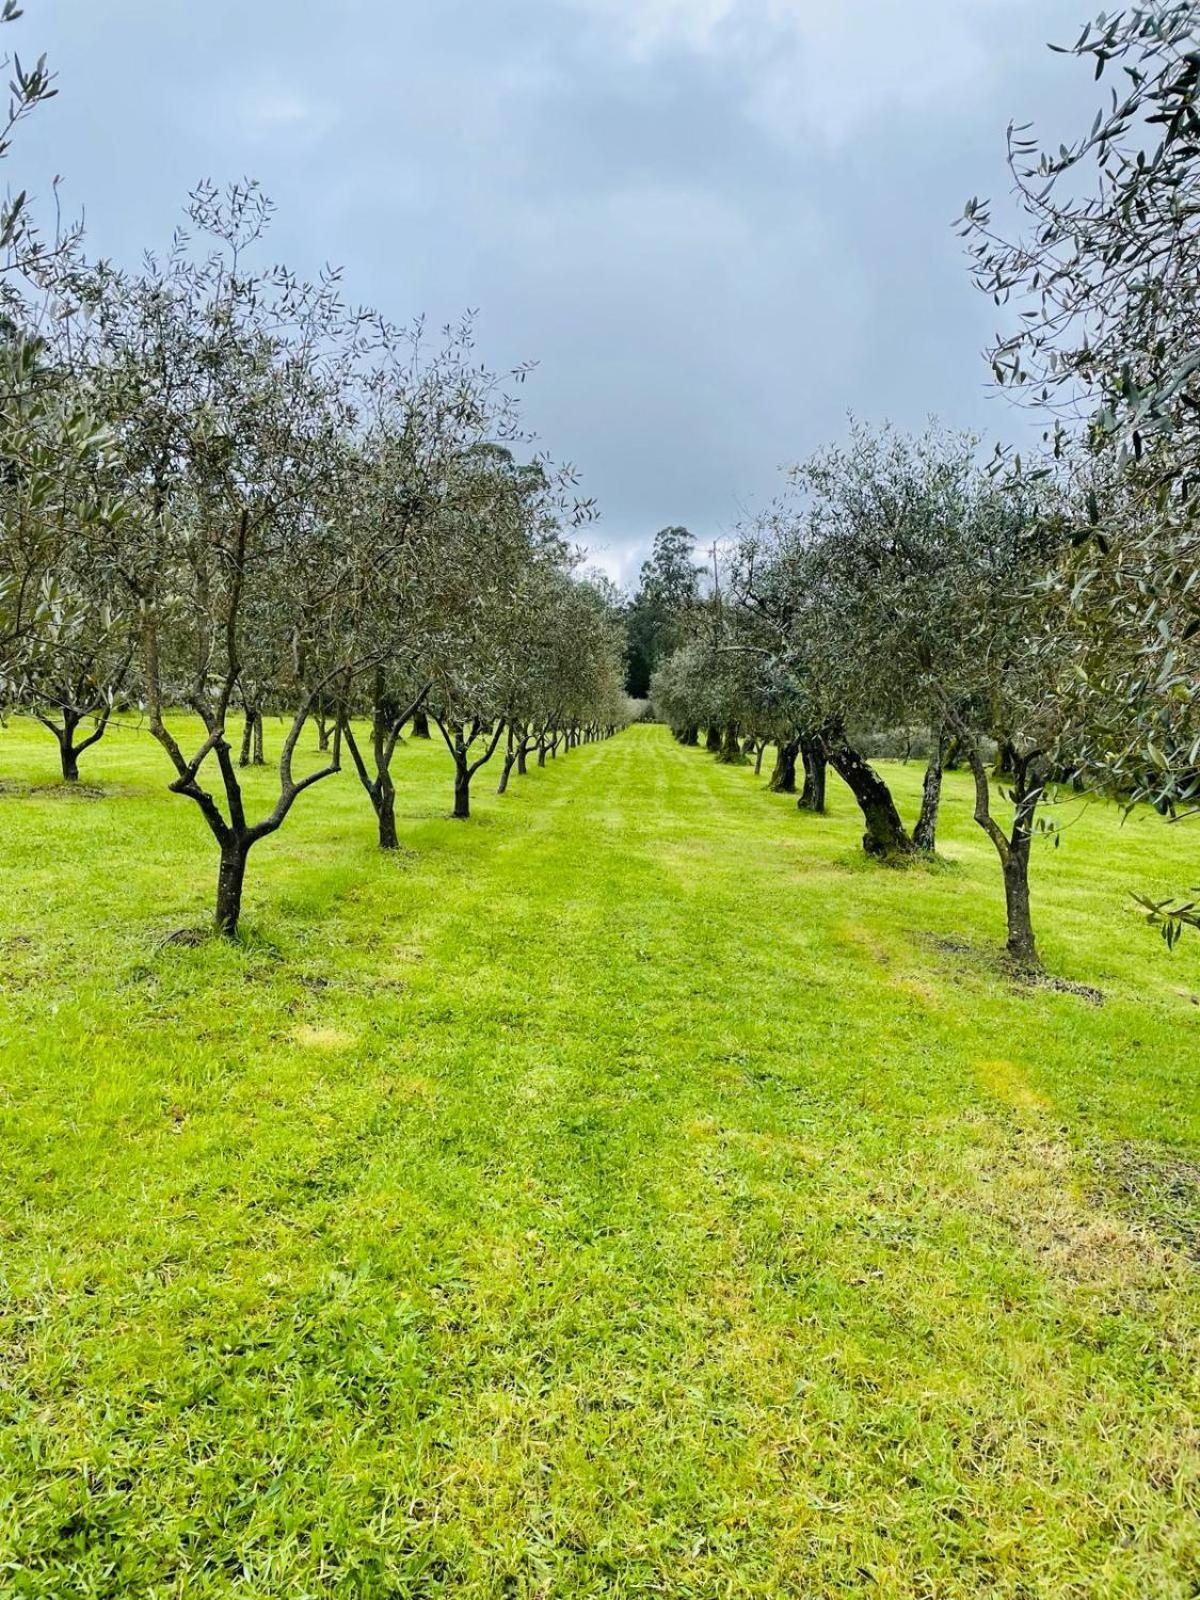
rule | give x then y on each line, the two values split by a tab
668	588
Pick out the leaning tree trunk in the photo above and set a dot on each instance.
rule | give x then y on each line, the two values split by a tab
885	834
510	756
925	833
812	796
783	778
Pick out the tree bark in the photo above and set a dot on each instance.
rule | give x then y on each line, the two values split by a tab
731	751
420	726
1021	945
925	834
67	753
1006	758
783	777
885	833
256	759
812	796
510	756
1013	849
230	878
462	790
385	811
758	757
712	739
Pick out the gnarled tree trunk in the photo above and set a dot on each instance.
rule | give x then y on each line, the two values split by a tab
730	754
812	796
885	833
783	777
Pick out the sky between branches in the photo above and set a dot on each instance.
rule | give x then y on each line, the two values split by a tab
715	224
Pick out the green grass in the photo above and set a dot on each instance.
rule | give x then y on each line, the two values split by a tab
630	1192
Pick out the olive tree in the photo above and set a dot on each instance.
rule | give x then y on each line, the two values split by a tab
416	496
1101	269
229	392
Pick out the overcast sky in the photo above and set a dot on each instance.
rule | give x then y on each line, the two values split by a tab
716	225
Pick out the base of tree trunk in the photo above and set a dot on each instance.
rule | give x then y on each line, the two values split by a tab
386	813
885	838
812	796
783	777
230	878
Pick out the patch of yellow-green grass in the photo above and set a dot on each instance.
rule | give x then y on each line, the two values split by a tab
630	1192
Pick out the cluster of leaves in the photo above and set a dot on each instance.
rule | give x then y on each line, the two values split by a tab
1105	276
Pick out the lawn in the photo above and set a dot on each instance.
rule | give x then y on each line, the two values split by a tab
629	1192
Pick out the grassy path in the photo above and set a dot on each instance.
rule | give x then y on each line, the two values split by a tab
628	1193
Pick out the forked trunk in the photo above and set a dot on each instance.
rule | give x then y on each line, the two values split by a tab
812	796
67	753
885	833
758	757
1013	848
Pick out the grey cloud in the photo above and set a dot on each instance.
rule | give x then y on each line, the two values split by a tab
716	224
